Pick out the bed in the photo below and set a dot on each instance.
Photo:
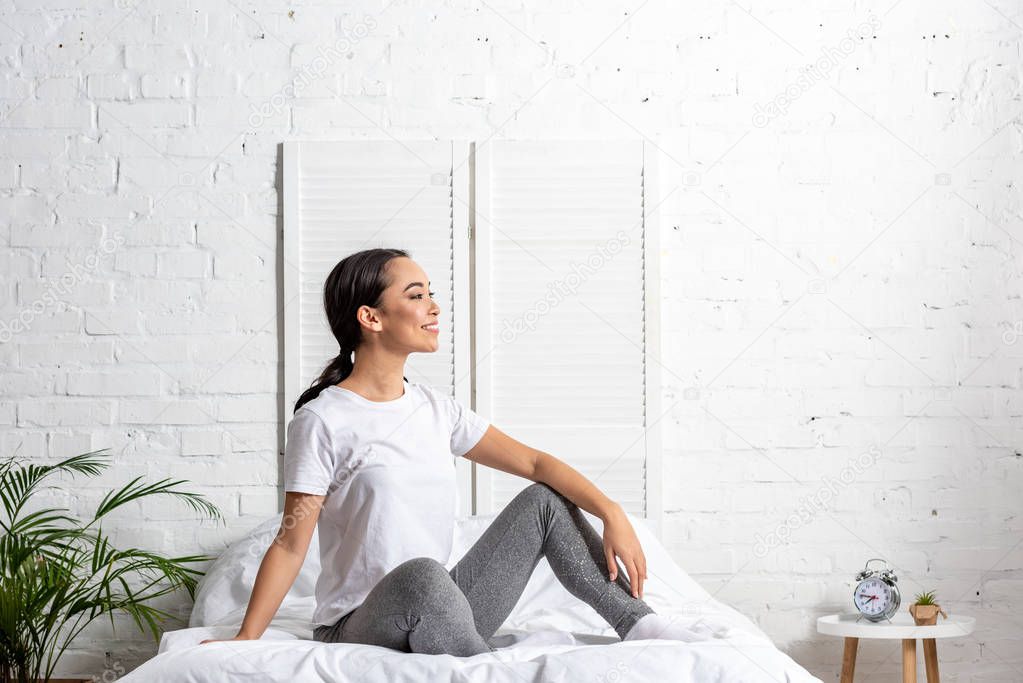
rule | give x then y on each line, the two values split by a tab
549	636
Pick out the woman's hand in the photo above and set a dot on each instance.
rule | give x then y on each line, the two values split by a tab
225	640
620	539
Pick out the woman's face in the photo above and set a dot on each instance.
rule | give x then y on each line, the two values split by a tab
408	313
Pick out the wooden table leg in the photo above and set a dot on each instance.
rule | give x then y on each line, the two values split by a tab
931	659
909	660
849	659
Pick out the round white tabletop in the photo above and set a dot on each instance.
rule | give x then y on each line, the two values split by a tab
902	627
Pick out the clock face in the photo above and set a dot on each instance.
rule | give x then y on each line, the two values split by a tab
872	597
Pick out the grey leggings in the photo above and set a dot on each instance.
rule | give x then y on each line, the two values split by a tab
421	607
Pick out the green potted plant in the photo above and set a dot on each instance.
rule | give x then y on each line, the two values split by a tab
58	574
925	610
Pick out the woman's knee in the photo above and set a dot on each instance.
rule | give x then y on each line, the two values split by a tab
539	493
424	587
424	574
421	566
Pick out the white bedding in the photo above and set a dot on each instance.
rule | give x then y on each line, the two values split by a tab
549	636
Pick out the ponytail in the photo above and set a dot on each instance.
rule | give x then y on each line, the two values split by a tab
336	371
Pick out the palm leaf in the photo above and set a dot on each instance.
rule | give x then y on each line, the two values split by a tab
134	491
18	483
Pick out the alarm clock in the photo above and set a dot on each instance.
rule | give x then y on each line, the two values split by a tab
876	596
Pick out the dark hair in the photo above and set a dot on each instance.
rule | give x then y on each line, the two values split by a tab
357	280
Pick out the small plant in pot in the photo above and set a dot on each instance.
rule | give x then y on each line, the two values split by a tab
925	610
58	573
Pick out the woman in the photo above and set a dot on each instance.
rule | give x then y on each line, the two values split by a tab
368	461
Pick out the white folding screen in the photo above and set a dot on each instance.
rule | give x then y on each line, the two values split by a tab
342	197
564	284
566	312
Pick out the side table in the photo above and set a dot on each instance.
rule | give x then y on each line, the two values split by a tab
852	627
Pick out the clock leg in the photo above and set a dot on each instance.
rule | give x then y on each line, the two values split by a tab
931	659
909	660
849	659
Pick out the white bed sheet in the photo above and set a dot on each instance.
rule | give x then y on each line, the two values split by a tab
549	636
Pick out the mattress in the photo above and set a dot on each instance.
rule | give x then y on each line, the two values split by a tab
549	636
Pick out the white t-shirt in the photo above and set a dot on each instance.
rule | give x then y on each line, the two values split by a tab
388	475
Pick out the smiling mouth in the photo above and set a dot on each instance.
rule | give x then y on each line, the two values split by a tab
432	327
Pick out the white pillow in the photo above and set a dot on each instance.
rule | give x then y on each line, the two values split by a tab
223	593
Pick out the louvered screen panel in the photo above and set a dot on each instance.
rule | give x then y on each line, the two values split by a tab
561	326
343	197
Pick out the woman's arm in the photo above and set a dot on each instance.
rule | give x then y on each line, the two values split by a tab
500	451
570	483
281	563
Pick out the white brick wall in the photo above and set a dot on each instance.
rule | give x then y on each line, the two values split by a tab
838	276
